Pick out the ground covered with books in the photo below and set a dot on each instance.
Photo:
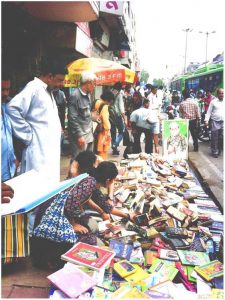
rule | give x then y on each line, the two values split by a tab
174	248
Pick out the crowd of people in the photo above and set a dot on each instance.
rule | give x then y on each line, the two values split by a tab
33	126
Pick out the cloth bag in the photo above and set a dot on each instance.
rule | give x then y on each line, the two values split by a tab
54	225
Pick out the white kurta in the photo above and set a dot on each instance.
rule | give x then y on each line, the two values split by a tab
34	116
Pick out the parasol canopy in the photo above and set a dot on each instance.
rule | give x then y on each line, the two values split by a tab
108	72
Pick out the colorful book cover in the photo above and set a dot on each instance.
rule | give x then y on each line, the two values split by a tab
139	275
164	269
210	270
193	258
217	294
122	250
190	269
150	256
93	257
137	256
134	293
72	281
168	254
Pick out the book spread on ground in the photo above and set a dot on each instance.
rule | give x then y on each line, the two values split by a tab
93	257
193	258
32	189
210	270
72	281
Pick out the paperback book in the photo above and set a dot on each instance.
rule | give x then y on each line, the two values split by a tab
164	269
121	249
211	270
193	258
93	257
72	281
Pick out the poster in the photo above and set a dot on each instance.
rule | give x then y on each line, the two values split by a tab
175	138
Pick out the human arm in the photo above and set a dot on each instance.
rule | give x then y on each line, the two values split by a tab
17	110
93	205
209	112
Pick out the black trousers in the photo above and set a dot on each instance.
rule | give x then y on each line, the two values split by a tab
193	127
148	140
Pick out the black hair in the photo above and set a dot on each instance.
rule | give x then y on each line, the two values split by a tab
118	86
186	93
145	101
105	170
53	66
86	160
108	96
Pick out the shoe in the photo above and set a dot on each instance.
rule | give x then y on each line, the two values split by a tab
115	151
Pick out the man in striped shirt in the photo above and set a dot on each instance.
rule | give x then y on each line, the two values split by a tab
189	110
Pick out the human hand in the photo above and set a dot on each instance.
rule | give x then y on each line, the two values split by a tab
7	193
81	142
79	228
95	116
105	216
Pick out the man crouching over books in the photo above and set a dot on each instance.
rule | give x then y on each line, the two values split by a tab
66	220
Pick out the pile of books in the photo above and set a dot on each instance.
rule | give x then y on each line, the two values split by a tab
174	247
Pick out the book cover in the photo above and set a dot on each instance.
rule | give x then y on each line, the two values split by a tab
164	269
168	254
137	256
139	275
217	294
190	270
72	281
193	258
93	257
150	256
38	190
122	250
210	270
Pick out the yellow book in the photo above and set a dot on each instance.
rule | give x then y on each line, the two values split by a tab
135	294
139	275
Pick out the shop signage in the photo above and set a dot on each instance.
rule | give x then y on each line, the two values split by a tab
112	7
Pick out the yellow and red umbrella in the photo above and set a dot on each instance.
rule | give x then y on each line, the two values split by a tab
108	72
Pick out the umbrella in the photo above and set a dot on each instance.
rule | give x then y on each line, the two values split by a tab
108	72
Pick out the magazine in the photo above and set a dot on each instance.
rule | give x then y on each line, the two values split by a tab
93	257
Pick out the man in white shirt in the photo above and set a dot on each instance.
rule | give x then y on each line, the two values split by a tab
139	125
35	121
214	115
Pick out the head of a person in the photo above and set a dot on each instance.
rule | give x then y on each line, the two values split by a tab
117	86
107	97
146	103
53	72
128	88
86	162
154	89
88	81
219	94
105	173
174	128
208	93
186	93
6	84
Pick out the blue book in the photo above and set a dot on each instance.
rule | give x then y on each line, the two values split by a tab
32	189
122	250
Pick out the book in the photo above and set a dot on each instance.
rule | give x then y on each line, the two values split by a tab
93	257
72	281
139	275
190	270
210	270
38	190
137	256
150	256
168	254
193	258
164	269
121	249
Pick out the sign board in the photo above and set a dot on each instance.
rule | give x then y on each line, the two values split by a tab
175	138
112	7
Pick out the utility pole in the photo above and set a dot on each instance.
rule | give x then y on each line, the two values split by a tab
206	44
186	42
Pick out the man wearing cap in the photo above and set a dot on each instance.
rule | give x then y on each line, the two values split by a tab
79	115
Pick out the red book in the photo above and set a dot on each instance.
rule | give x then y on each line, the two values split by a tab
93	257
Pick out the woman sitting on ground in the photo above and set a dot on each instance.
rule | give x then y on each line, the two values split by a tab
48	244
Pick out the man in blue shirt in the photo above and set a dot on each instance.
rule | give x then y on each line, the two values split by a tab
8	156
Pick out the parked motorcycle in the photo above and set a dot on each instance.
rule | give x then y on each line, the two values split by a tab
204	133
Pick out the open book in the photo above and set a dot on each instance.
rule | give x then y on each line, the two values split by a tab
32	189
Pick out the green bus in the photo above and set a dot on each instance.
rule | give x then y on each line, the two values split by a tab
209	77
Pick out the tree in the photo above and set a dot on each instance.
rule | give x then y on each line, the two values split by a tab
144	75
159	82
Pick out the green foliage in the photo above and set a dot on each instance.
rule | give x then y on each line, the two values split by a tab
144	75
159	82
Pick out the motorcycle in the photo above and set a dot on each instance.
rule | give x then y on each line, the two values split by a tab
204	133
